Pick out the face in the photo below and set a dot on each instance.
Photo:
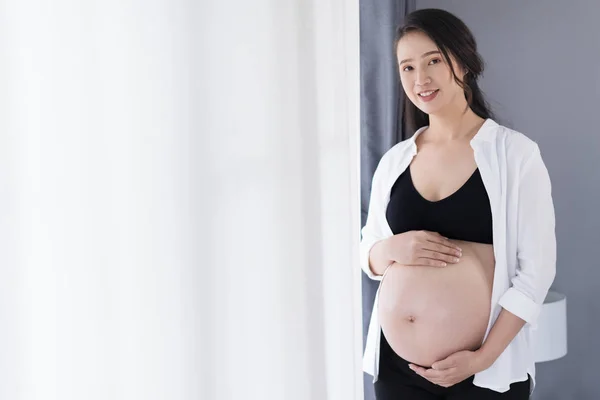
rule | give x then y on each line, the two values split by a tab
423	69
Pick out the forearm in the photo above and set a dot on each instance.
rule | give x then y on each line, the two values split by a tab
503	331
379	258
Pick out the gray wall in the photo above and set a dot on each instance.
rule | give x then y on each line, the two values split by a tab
543	79
381	103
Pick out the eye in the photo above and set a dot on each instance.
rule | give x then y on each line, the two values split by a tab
433	61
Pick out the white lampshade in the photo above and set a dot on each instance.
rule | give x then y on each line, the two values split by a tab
550	339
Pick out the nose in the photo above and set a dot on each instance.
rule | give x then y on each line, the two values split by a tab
422	78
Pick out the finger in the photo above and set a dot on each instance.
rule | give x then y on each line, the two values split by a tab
416	368
442	245
435	237
432	374
438	256
444	364
438	376
428	372
440	248
430	262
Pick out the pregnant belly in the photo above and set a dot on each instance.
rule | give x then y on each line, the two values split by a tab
428	313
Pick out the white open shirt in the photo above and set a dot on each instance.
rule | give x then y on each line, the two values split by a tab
518	185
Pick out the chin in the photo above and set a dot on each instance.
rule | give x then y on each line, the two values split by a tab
429	110
432	109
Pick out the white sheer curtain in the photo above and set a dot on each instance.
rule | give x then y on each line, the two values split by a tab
179	200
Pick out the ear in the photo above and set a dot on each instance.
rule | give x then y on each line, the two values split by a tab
459	69
463	71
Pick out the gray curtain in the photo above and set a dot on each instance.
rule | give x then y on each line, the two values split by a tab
381	111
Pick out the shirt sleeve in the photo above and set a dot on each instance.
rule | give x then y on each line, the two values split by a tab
536	243
373	231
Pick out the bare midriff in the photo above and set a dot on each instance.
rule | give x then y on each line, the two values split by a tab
428	313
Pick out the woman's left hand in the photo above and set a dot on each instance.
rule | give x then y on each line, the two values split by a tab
453	369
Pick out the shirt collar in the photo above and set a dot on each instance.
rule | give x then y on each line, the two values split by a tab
486	133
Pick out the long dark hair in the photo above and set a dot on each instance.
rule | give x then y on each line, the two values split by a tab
451	35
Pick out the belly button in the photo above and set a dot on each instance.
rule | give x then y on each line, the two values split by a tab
411	318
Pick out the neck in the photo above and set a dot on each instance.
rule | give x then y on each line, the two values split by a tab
452	124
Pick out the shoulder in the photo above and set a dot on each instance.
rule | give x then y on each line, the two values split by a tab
518	146
523	159
394	156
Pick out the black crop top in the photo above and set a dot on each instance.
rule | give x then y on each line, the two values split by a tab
464	215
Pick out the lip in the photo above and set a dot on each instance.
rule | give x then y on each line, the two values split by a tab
423	91
430	98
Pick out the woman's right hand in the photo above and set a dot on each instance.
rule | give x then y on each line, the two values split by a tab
422	248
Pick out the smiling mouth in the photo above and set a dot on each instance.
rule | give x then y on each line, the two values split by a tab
429	93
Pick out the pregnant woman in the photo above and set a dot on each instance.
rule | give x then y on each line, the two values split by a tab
460	232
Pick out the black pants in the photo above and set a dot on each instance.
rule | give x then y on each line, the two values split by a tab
398	382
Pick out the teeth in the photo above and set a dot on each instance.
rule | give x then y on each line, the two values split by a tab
424	94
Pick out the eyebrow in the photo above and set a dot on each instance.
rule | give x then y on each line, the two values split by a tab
423	56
